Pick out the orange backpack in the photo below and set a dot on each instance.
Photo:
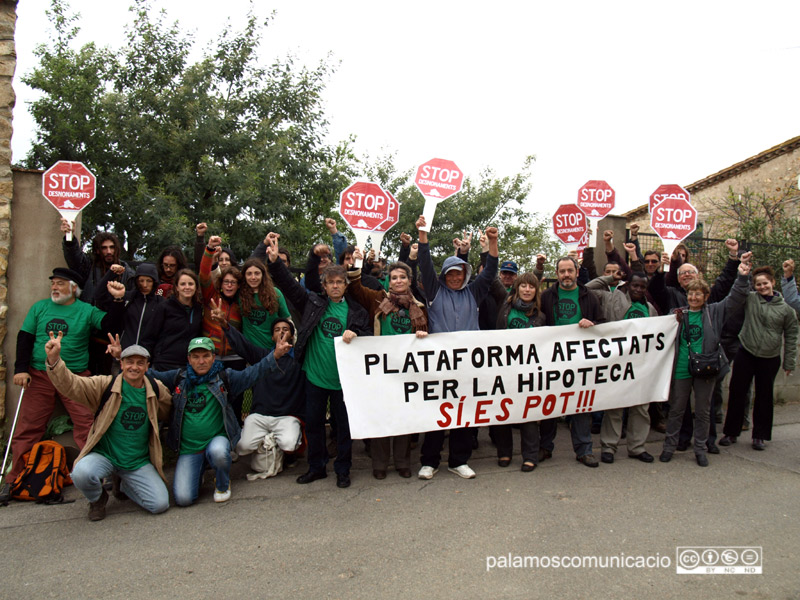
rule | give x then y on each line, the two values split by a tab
45	474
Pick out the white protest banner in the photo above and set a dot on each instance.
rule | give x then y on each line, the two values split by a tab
403	384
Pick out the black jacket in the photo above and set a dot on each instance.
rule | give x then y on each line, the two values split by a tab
312	307
280	392
91	273
590	306
669	298
173	326
139	309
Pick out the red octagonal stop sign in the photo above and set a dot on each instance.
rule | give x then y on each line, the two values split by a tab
596	199
394	214
364	205
569	224
668	191
69	185
439	178
673	219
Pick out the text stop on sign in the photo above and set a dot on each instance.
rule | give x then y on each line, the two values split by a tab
569	224
364	205
596	198
69	186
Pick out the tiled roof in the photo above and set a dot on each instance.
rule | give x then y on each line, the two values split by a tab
740	167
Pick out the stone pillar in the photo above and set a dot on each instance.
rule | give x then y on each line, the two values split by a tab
8	63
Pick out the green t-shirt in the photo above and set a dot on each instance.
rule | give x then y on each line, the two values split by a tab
202	420
638	310
695	326
125	442
320	361
76	320
257	326
567	309
396	323
517	319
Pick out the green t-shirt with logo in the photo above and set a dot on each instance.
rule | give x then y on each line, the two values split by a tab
76	320
320	361
567	309
396	323
638	310
695	330
202	420
257	326
125	442
517	319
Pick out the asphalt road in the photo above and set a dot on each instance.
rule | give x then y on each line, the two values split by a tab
407	538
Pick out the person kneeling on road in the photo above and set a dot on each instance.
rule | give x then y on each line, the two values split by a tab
123	441
278	397
203	427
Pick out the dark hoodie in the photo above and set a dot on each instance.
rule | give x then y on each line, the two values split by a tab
139	309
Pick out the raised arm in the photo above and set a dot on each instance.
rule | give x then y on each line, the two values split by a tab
427	271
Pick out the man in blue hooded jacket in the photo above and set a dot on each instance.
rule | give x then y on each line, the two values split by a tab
452	302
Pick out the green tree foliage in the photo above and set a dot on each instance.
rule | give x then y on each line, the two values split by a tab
766	225
483	201
230	142
173	143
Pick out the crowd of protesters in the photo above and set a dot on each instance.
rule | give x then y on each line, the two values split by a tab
228	360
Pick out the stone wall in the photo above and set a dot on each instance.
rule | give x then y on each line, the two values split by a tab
773	173
772	178
8	63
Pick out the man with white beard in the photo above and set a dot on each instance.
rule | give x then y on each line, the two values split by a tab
75	319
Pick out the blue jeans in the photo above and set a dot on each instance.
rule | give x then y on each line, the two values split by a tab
144	485
189	470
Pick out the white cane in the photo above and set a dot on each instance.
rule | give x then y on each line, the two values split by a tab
13	426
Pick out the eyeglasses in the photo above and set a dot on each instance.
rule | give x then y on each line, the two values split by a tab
685	273
229	282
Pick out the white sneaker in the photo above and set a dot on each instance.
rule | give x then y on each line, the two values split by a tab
222	496
463	471
427	472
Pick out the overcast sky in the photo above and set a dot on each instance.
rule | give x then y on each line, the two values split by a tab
635	93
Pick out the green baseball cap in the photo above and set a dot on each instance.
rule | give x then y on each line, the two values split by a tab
201	343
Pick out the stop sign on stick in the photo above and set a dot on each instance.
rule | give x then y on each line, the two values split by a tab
437	179
364	206
69	186
393	215
668	191
596	199
376	236
569	224
673	220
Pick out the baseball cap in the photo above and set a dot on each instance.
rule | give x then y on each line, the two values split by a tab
201	343
510	266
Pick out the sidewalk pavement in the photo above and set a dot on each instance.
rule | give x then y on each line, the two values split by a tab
433	539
